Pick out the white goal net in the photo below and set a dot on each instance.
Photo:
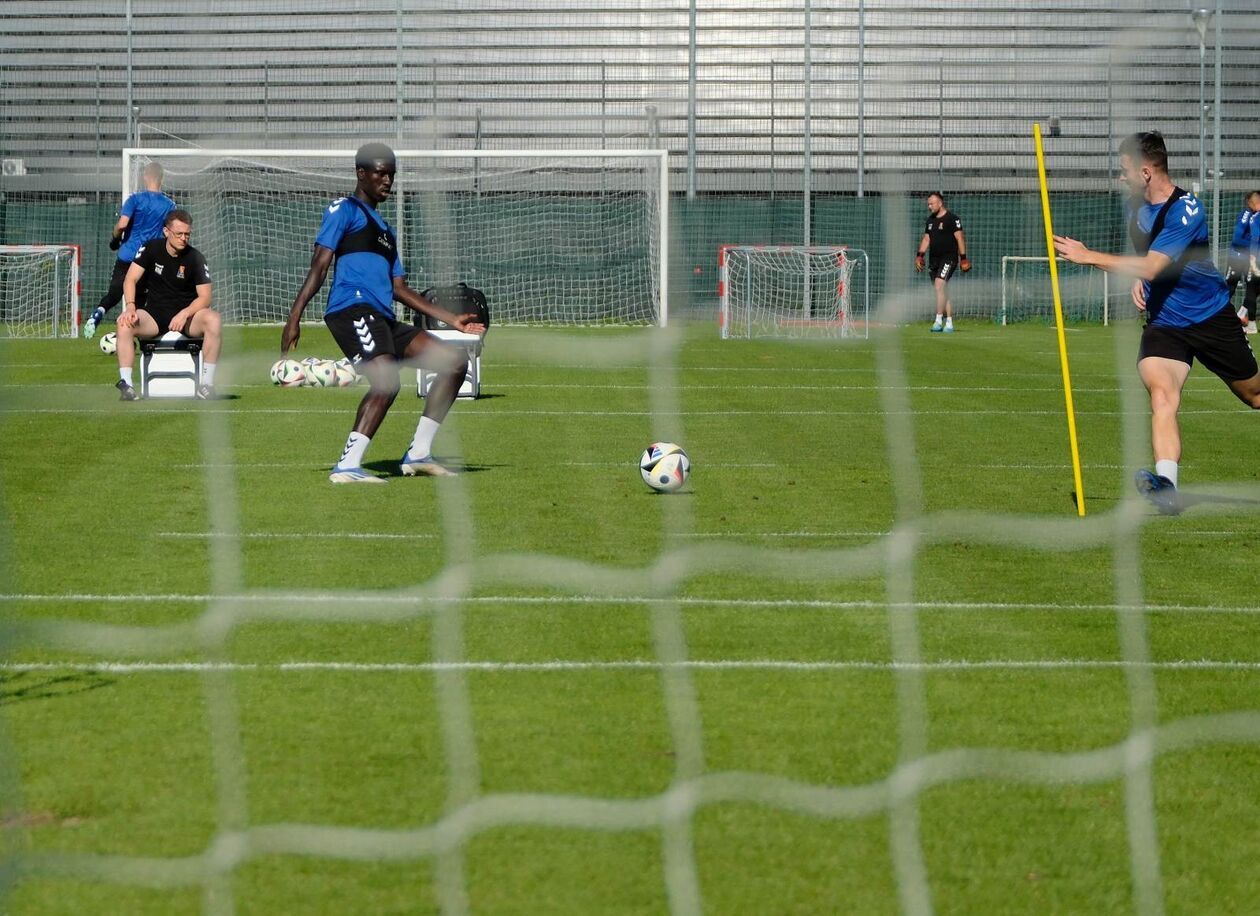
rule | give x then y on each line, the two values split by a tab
793	291
1027	294
561	238
39	290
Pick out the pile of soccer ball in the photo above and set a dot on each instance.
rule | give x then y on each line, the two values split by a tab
314	372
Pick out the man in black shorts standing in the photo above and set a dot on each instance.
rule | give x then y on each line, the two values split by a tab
1188	313
178	299
945	249
368	278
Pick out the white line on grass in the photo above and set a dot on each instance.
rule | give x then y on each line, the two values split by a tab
621	600
296	535
114	411
769	664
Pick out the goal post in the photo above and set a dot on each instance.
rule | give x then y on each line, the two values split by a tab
793	291
1027	295
40	289
570	237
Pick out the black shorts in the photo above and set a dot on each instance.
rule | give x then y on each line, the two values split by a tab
363	333
942	268
1219	343
162	317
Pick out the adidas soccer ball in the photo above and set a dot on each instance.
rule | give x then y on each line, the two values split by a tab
346	376
109	344
288	373
664	466
323	373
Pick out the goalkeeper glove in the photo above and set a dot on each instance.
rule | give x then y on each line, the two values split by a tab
965	264
115	242
918	261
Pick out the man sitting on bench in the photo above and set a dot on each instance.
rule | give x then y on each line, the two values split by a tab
178	299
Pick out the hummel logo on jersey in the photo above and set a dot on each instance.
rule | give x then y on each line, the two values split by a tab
335	205
383	240
366	343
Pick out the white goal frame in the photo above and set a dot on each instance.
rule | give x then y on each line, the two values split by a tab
659	156
1043	259
856	255
74	281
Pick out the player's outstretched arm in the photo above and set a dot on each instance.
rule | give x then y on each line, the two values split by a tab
417	303
1146	267
321	259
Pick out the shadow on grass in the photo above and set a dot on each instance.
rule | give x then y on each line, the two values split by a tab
21	686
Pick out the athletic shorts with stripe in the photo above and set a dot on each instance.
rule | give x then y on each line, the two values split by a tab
363	333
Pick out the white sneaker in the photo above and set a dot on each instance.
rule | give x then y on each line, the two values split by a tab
412	467
1250	328
353	475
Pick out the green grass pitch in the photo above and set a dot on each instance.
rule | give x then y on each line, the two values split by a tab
897	663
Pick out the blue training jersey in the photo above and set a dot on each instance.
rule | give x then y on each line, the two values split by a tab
1245	231
1199	292
360	277
147	212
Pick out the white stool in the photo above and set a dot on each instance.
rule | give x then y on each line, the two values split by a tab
170	366
471	345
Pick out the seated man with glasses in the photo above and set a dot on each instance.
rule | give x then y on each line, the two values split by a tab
178	299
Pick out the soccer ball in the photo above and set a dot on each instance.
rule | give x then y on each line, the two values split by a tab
664	466
323	373
346	376
109	344
288	373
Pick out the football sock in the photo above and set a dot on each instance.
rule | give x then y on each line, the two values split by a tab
949	322
125	375
207	373
422	444
356	445
1167	468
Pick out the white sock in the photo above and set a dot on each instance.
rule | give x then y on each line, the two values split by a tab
949	322
422	444
1167	468
125	375
352	456
207	373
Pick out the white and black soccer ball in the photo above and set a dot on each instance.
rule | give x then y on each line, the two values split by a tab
664	466
109	344
288	373
322	373
346	376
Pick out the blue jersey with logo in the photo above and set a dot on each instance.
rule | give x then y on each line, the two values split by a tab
1200	291
1246	231
147	212
360	277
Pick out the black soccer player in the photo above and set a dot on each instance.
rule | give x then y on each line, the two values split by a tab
368	278
179	294
1188	314
1243	249
142	217
944	248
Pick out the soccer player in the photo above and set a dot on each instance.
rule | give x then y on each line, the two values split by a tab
1243	249
945	250
1188	314
369	276
141	218
178	284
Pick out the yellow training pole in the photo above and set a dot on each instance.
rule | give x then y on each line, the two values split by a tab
1058	322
